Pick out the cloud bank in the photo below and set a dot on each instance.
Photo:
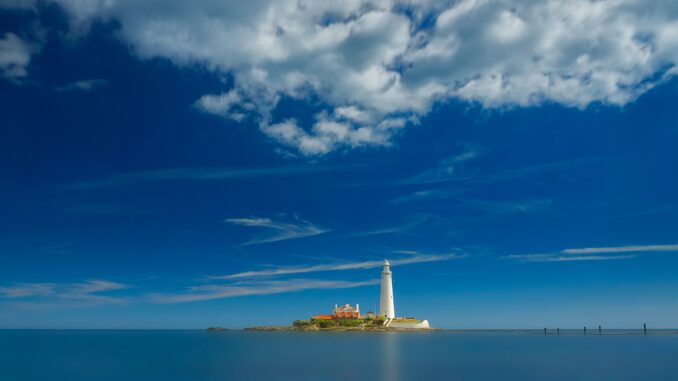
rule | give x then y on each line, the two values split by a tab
379	65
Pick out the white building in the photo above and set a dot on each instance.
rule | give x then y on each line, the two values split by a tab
386	308
347	311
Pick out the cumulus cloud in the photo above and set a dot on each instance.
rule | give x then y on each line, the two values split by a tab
378	65
15	55
278	230
328	133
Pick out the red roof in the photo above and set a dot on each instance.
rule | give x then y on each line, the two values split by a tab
322	317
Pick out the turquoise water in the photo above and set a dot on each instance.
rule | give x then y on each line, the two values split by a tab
201	355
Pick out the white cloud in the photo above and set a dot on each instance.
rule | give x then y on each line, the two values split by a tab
413	258
192	173
231	105
210	292
91	291
23	290
372	63
446	168
15	55
396	229
17	4
444	175
257	282
555	257
593	253
280	230
622	249
328	133
83	85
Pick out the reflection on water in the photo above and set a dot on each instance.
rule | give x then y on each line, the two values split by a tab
379	356
390	361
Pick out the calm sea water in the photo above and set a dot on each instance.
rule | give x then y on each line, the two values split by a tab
201	355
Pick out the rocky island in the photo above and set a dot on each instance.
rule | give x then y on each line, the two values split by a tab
345	325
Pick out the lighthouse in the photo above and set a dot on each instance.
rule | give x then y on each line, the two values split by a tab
386	309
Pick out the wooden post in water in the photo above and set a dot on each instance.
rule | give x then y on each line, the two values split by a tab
558	331
544	331
584	331
600	331
644	329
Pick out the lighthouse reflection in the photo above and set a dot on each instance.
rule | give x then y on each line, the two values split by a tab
389	357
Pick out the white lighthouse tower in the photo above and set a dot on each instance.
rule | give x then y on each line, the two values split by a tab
386	309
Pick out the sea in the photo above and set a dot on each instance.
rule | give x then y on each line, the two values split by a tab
177	355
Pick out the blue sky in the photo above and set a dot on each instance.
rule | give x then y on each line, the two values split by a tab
166	166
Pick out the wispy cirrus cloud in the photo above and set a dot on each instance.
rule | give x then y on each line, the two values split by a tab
258	282
529	206
593	253
412	258
83	85
221	291
557	257
622	249
91	291
252	283
23	290
439	178
445	169
444	184
278	230
396	229
104	208
426	194
190	174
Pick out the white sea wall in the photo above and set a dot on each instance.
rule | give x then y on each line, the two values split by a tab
421	325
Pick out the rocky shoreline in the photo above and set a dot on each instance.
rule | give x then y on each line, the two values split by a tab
272	328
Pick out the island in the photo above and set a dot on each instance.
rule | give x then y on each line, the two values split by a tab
347	325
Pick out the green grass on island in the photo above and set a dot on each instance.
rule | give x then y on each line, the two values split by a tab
347	324
337	323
